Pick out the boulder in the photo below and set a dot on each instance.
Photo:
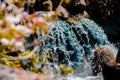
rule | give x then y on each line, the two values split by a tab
111	71
104	61
102	55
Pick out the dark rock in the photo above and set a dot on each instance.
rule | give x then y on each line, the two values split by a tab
76	6
111	71
29	6
105	62
118	55
43	5
55	4
61	12
102	55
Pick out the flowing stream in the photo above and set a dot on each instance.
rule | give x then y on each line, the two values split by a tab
71	45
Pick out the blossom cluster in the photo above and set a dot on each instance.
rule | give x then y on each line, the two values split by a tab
16	24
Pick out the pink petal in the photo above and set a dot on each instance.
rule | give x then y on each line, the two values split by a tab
25	15
29	25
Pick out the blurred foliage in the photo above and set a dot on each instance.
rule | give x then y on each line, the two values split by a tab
34	63
102	9
66	70
13	39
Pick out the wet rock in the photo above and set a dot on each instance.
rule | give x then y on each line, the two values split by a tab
7	73
102	55
61	12
118	54
105	62
111	71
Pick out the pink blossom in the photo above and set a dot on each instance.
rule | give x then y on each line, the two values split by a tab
18	38
1	22
35	13
38	20
29	25
25	15
3	6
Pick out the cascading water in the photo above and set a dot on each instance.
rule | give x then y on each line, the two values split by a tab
71	45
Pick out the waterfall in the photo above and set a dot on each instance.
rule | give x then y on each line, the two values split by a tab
71	45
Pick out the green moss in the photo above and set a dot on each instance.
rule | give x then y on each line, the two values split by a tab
66	70
9	35
25	53
1	15
4	50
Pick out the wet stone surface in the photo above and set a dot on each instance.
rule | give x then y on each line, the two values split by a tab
7	73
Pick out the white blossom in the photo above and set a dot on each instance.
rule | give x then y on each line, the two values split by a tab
4	41
19	46
23	29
